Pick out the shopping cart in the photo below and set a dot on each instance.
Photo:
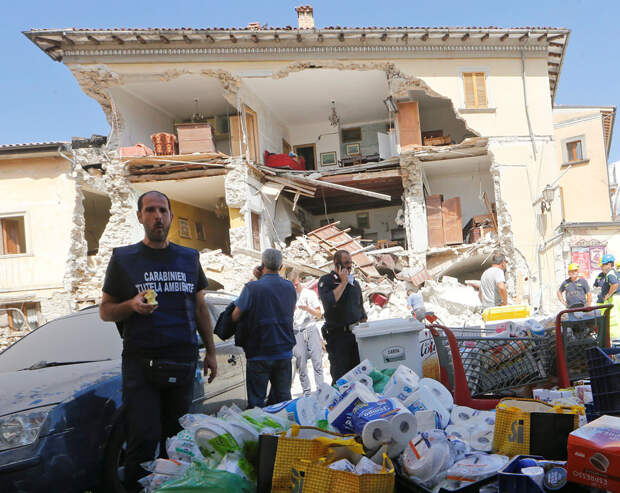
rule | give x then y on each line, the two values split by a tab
481	363
576	331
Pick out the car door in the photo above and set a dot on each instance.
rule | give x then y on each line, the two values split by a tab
229	385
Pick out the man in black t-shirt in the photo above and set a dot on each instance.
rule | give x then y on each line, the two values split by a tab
153	291
575	289
343	306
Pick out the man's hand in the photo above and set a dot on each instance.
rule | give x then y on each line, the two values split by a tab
258	272
140	306
210	363
343	274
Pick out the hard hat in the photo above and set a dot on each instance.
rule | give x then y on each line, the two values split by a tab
608	259
572	267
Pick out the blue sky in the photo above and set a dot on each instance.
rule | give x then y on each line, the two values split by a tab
40	100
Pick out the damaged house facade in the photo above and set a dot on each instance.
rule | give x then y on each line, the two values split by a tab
442	141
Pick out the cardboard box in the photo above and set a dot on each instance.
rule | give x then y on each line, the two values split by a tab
594	454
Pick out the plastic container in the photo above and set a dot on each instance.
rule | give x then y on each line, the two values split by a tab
405	485
506	312
392	342
511	479
604	380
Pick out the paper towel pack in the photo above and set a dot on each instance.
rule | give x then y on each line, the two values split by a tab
401	383
339	415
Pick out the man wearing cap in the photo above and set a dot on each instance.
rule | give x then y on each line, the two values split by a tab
574	292
609	282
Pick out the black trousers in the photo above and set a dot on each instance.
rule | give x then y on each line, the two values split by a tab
151	415
342	352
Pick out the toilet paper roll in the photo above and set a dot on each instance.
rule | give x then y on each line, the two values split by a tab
327	396
376	432
401	384
366	380
482	439
460	432
404	427
426	420
462	415
340	415
486	418
443	394
364	368
423	399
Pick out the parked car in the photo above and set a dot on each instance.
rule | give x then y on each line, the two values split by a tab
61	426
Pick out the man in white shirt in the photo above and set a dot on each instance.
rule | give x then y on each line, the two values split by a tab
308	342
493	283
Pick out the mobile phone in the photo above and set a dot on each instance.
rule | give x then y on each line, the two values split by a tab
339	265
261	267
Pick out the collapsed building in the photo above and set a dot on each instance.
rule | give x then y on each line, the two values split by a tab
431	145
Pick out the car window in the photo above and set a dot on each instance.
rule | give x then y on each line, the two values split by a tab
81	336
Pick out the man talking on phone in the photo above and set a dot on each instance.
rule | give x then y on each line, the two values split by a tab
343	305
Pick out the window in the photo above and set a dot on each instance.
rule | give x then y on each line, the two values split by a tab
574	152
13	231
574	149
475	88
352	134
21	316
363	220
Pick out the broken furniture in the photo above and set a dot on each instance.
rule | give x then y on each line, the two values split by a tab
353	160
164	143
437	141
332	239
444	221
284	161
478	227
195	137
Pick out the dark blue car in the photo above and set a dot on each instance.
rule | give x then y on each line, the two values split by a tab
61	427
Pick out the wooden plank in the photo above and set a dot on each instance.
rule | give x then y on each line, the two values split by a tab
452	221
409	124
308	269
344	188
236	136
435	221
169	169
487	203
179	175
154	160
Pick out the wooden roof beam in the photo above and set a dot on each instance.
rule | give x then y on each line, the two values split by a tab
68	39
405	37
524	37
41	39
299	39
254	38
363	37
140	39
232	38
118	39
445	37
542	37
465	37
424	37
384	36
557	36
484	37
504	37
209	38
319	38
164	39
186	38
93	39
341	36
276	37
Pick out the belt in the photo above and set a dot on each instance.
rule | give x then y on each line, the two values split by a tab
345	328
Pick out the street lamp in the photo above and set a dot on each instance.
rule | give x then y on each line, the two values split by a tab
547	197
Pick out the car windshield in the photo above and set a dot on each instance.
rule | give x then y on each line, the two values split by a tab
81	336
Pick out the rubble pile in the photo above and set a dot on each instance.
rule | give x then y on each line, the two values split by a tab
232	272
453	303
307	251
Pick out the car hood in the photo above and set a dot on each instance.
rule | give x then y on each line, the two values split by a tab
26	389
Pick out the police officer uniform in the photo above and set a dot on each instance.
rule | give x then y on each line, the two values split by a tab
340	317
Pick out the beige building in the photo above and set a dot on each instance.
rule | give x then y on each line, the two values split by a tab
443	140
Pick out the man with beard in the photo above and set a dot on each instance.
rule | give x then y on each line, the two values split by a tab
153	291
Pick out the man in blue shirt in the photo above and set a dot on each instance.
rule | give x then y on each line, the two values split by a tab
609	281
267	307
153	291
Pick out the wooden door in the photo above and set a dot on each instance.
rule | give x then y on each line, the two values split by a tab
236	136
452	221
409	124
251	128
255	231
434	218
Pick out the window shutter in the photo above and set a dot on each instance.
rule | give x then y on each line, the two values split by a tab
481	90
468	84
475	87
10	236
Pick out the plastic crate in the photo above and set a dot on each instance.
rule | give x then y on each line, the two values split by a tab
605	380
506	312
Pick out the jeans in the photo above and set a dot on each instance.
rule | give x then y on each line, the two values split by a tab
342	351
308	344
151	415
277	372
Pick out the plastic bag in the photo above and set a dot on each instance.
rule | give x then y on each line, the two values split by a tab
237	464
182	447
199	478
170	467
152	482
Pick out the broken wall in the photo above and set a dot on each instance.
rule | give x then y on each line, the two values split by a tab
323	135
